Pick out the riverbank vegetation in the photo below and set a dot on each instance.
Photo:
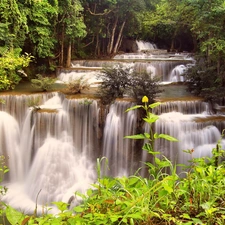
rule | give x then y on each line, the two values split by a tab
170	194
54	32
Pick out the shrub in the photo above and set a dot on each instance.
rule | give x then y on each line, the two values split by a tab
205	80
76	86
143	85
11	63
120	80
115	82
43	83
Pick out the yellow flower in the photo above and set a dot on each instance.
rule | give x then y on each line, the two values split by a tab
145	99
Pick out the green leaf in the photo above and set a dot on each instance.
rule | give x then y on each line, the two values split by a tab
137	136
134	107
151	118
13	216
62	206
167	137
153	105
147	135
156	135
78	209
135	216
89	192
185	216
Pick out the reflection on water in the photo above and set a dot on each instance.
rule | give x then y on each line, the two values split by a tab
174	92
25	87
169	91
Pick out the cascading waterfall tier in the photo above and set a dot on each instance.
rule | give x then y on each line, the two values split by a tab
52	152
56	146
57	139
168	67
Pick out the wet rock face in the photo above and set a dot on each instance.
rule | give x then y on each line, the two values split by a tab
129	46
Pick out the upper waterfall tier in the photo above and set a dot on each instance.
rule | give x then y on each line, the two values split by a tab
168	70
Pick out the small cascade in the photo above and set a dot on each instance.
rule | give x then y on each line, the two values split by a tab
84	123
90	77
56	168
116	149
176	74
145	46
9	145
191	135
26	142
94	64
184	107
157	68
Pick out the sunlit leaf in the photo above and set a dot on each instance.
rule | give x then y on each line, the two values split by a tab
167	137
13	216
134	107
153	105
137	136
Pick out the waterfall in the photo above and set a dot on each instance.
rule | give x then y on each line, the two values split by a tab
116	149
51	155
167	71
9	141
57	167
145	46
54	149
176	74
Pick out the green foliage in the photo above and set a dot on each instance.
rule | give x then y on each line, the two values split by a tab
34	102
114	83
3	170
43	83
76	86
143	84
203	80
119	80
150	118
11	62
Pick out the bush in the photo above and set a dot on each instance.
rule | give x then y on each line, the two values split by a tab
204	80
143	85
11	63
115	82
76	86
43	83
119	80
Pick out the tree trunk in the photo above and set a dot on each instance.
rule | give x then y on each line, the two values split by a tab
61	57
68	59
97	48
118	42
111	39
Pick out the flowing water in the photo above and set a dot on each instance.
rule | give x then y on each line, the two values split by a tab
52	152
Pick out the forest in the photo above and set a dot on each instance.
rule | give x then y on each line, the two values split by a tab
47	34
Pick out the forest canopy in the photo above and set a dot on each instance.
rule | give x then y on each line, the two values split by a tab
56	31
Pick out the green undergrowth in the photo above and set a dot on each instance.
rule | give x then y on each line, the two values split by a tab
164	197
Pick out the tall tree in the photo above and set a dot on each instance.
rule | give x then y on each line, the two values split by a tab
13	24
208	26
70	28
107	20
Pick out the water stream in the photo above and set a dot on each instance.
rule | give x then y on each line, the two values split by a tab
52	152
